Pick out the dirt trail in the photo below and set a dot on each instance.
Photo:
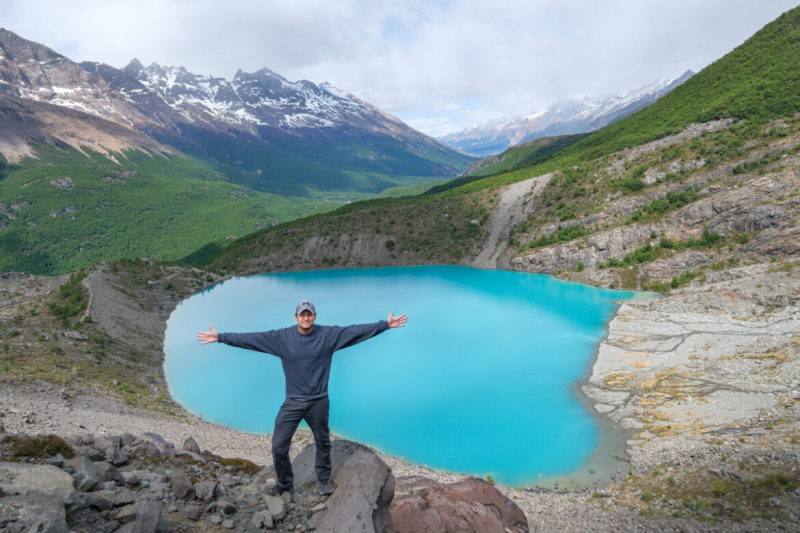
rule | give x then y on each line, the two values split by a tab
508	210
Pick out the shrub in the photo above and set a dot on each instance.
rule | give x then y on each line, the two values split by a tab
38	447
720	488
632	184
667	243
579	268
249	467
73	299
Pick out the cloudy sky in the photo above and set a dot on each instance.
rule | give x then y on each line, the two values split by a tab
439	65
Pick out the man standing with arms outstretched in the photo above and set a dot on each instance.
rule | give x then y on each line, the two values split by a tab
306	352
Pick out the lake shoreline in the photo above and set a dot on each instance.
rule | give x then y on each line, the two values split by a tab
636	329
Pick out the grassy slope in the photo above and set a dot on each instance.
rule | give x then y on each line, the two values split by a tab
317	165
169	209
181	206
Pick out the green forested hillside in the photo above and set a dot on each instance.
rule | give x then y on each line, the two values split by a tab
167	207
754	84
149	205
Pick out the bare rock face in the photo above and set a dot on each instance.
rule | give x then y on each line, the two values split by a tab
18	478
674	266
473	505
39	512
364	488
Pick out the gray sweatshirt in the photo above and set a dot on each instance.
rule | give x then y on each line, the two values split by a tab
306	359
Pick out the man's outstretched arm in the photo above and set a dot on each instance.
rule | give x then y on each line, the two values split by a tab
265	341
350	335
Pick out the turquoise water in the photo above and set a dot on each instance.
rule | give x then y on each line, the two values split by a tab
478	382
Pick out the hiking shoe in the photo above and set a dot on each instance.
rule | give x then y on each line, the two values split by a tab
326	487
276	491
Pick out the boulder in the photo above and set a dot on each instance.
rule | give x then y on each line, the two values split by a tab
126	514
86	474
182	487
126	439
191	446
147	518
205	490
469	506
364	488
18	478
275	505
190	512
91	453
116	456
107	472
124	497
186	453
98	502
158	440
262	519
39	511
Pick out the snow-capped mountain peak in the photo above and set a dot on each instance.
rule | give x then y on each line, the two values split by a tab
563	117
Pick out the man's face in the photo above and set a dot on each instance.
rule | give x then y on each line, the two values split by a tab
305	320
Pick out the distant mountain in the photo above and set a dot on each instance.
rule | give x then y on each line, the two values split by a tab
98	162
189	111
249	101
564	117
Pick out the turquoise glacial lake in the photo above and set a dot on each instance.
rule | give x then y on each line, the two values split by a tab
480	380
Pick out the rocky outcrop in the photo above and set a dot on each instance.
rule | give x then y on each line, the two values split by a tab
674	266
154	490
757	206
470	506
595	249
364	488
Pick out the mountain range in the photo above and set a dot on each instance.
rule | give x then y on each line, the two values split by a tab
564	117
173	106
159	161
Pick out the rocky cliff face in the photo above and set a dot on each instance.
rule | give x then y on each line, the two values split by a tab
34	72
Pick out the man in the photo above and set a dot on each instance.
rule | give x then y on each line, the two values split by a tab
306	353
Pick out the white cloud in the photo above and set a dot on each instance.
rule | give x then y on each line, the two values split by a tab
438	65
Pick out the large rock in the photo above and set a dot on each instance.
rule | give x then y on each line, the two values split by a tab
153	444
364	488
191	445
40	512
107	472
147	517
206	490
18	478
470	506
86	474
182	487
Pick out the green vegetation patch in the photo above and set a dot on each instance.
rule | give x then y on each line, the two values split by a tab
248	467
73	298
42	447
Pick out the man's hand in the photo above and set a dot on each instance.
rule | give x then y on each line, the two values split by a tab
395	321
206	337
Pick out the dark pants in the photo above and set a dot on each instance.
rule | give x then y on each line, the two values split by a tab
315	413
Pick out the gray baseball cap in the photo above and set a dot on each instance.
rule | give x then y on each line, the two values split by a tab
305	305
